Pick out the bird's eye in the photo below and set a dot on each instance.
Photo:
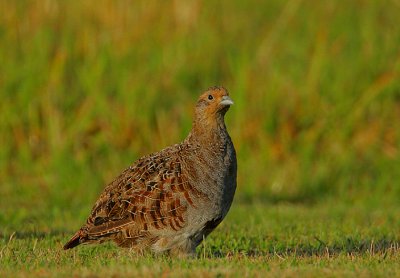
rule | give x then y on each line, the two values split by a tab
210	97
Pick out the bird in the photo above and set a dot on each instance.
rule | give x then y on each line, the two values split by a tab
171	200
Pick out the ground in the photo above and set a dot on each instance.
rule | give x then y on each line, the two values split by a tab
256	239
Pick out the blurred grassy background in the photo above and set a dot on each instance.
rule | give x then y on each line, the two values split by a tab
88	87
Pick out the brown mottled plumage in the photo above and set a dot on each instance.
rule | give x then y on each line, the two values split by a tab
171	200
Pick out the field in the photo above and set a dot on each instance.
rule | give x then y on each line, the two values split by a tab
88	87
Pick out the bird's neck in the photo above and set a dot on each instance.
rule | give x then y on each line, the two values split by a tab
208	132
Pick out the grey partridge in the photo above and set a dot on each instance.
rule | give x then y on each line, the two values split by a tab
171	200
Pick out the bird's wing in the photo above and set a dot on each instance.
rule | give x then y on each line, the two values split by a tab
151	194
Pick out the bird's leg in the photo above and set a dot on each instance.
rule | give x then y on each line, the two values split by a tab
185	250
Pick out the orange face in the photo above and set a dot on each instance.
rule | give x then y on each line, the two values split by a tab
214	100
211	108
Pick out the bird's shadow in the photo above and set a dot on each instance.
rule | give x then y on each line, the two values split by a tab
317	248
314	248
34	234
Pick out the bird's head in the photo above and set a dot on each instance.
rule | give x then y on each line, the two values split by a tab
212	106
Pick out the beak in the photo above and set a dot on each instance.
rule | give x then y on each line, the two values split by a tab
226	101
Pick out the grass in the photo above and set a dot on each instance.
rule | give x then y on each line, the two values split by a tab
86	88
255	240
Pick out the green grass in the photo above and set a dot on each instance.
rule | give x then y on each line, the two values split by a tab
87	88
255	240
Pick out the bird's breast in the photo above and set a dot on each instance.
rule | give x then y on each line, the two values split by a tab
213	173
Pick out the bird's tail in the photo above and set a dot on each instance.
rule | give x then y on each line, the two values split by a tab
78	238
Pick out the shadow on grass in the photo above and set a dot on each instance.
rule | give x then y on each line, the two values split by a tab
274	248
34	234
317	248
